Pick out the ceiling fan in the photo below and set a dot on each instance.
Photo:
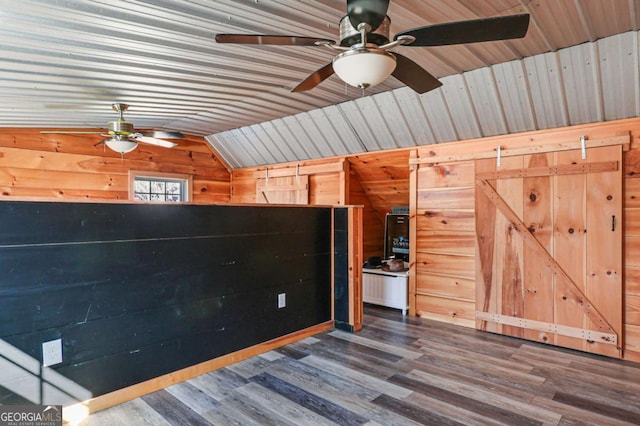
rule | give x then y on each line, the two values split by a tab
365	59
122	136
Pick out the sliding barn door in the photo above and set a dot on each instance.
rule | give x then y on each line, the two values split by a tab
549	248
283	190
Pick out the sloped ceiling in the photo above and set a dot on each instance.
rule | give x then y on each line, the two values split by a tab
63	62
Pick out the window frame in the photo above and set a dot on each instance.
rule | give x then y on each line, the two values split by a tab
187	179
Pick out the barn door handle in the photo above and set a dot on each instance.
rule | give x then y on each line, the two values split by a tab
613	223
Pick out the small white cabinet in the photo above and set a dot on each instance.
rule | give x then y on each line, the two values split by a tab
384	288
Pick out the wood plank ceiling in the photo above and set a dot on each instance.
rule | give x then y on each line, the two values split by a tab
63	62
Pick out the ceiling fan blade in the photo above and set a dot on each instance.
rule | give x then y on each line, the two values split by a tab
58	132
314	79
162	134
413	75
475	30
137	137
371	12
278	40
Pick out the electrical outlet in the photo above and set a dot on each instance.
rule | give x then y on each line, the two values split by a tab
51	352
282	300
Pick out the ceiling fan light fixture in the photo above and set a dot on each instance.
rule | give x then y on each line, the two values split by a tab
364	67
121	144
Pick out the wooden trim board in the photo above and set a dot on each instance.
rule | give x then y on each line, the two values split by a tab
126	394
547	327
565	169
505	151
335	167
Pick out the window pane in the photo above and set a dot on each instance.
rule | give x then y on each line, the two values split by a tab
141	186
159	189
173	187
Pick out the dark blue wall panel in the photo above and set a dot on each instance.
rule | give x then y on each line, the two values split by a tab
137	290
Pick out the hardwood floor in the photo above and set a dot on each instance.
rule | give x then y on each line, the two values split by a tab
399	371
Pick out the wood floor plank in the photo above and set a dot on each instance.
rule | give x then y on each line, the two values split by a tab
310	401
598	407
485	396
392	349
575	415
414	412
325	385
173	410
494	383
289	412
219	383
399	370
198	400
366	380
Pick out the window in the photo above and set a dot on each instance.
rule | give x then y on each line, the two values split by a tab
160	187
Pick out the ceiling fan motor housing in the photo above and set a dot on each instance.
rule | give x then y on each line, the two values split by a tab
350	35
120	127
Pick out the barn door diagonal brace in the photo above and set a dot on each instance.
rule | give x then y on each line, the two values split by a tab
570	286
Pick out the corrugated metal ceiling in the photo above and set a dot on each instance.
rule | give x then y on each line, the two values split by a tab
581	84
63	62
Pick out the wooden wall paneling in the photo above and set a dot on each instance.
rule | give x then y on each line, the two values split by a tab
488	293
570	244
384	176
414	208
62	180
462	220
632	160
324	189
445	309
538	279
632	342
449	264
449	286
604	246
632	309
447	175
509	255
71	167
445	252
210	191
452	242
373	234
632	278
243	187
632	250
631	221
446	198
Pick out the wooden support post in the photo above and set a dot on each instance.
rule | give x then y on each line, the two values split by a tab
413	231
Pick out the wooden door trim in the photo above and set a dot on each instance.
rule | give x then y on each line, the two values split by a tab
560	170
549	327
505	151
570	286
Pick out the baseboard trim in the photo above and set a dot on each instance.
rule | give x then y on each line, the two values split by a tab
126	394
